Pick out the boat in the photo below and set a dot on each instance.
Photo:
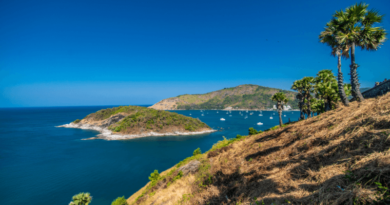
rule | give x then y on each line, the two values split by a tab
259	123
230	115
222	119
284	115
202	114
271	118
190	113
261	115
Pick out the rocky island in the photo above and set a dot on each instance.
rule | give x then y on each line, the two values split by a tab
127	122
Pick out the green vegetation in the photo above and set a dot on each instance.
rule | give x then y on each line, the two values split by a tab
154	176
76	121
240	97
81	199
252	131
197	151
326	93
120	201
281	100
151	119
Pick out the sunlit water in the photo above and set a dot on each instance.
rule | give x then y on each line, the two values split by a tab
43	164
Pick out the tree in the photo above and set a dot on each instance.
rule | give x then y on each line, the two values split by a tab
357	29
120	201
281	99
307	90
328	36
154	176
297	85
325	83
81	199
196	152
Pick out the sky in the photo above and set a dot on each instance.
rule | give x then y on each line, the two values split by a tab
102	52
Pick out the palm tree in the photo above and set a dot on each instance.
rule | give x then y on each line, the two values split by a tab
324	87
328	36
281	99
357	29
81	199
307	90
297	85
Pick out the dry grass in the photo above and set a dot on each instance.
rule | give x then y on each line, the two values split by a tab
334	158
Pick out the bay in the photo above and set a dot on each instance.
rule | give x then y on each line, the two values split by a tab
43	164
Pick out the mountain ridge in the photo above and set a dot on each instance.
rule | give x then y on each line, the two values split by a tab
247	96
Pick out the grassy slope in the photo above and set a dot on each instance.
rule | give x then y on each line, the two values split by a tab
150	119
339	157
243	97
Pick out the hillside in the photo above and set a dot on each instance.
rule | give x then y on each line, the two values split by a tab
133	121
339	157
240	97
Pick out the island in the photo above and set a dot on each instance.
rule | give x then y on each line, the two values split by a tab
242	97
128	122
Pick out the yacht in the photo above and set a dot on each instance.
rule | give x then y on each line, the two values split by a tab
222	119
259	123
261	115
271	118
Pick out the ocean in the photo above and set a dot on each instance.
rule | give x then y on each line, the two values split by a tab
43	164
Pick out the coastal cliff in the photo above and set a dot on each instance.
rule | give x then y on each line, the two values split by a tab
339	157
127	122
240	97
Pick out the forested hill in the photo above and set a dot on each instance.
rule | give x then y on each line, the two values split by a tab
240	97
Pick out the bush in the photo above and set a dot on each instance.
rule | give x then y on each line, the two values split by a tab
81	199
197	151
120	201
238	137
252	131
76	121
154	176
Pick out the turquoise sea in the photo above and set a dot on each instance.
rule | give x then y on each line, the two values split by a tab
43	164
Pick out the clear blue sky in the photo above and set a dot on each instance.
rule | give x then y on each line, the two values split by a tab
69	53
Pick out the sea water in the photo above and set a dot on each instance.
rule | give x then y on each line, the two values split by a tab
43	164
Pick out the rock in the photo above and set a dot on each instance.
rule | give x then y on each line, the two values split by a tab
112	120
191	167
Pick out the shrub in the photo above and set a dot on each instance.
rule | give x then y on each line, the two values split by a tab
252	131
120	201
81	199
76	121
197	151
154	176
238	137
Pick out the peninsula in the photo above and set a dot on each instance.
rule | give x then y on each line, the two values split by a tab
241	97
127	122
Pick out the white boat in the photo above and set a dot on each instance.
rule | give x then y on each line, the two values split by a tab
259	123
222	119
190	113
202	114
274	113
230	115
261	115
271	118
284	115
217	111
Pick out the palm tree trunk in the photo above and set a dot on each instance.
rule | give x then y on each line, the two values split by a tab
340	83
280	117
354	78
308	106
